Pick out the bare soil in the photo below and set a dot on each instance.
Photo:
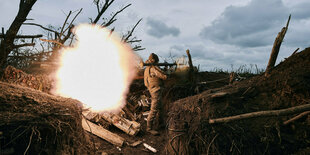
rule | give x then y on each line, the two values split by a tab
287	86
188	106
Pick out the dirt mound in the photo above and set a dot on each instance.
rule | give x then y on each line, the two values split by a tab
19	77
34	122
287	86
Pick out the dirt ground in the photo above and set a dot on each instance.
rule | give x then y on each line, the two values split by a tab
188	107
174	90
287	86
16	97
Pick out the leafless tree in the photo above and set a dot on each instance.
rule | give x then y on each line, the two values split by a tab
7	44
102	7
57	37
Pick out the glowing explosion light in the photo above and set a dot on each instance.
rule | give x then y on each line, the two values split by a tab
97	70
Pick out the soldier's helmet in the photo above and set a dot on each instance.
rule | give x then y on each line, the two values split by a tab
153	58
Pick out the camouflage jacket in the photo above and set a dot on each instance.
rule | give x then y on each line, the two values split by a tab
153	77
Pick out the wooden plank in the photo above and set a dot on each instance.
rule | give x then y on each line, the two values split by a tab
102	133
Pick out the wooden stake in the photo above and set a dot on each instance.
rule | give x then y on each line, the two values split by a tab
276	48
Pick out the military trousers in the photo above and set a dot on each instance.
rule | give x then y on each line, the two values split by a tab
154	118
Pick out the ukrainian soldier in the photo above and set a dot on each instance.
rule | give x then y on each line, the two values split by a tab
153	80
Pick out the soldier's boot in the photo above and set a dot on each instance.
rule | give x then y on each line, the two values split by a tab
150	130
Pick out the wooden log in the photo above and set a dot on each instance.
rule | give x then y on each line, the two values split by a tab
102	133
269	113
276	48
129	127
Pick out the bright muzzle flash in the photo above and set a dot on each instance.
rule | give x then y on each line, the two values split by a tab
97	70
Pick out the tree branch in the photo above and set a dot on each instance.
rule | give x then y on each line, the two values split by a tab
70	25
24	36
7	44
42	28
64	24
269	113
52	41
23	45
130	32
97	5
103	9
138	48
112	20
133	41
296	117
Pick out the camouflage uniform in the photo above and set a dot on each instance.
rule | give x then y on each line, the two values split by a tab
153	80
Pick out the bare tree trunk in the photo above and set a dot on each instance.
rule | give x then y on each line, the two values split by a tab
191	67
276	48
7	45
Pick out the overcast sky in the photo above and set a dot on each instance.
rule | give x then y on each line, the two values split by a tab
218	33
